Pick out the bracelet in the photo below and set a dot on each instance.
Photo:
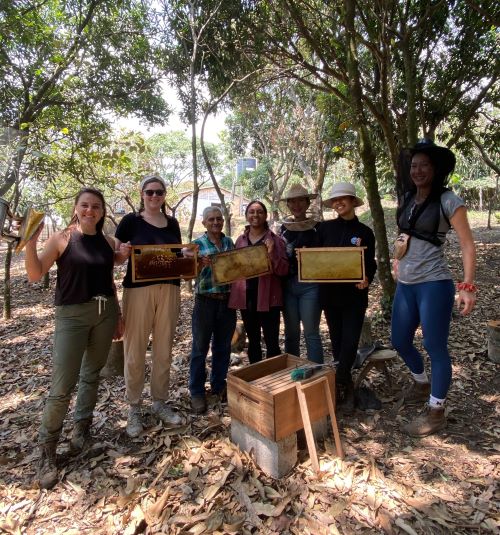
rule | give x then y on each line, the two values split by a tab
467	286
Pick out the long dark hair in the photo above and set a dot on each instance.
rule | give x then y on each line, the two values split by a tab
147	180
74	220
443	162
260	203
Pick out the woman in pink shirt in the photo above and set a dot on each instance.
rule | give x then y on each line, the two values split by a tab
260	299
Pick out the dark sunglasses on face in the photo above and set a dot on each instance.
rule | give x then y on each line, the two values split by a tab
157	192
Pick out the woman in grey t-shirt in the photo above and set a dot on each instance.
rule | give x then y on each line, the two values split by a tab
425	291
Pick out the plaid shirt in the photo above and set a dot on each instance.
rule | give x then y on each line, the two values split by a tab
204	281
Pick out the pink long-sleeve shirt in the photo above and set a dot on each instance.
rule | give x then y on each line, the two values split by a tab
270	291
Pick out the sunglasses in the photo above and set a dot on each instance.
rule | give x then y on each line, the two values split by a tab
157	192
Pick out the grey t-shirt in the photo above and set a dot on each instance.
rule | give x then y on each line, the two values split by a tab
423	261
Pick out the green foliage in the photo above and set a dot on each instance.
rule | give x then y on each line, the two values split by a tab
74	61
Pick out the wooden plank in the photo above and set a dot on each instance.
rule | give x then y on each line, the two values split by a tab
287	418
304	411
280	378
252	411
260	369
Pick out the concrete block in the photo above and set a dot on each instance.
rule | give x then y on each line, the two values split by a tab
321	429
276	459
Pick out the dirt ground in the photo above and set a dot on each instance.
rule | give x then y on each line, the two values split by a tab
194	480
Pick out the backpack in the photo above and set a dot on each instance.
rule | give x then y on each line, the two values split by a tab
407	224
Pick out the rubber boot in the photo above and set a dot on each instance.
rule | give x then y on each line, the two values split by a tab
430	421
417	393
47	469
80	435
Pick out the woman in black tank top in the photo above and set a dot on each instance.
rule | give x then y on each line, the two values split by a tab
87	315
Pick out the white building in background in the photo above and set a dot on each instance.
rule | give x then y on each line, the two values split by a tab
207	196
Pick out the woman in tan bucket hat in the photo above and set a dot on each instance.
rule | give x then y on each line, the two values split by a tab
300	299
345	303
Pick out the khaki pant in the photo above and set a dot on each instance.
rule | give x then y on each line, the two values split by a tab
149	309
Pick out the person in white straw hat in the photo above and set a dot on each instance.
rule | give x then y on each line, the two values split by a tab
300	299
342	189
345	303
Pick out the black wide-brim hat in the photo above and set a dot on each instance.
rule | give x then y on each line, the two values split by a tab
441	157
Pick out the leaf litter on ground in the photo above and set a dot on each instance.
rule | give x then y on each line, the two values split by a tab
194	480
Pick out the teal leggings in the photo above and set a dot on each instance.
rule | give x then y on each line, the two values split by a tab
82	341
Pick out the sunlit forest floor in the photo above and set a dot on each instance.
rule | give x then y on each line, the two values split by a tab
194	480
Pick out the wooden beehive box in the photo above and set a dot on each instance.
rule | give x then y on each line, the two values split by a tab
263	396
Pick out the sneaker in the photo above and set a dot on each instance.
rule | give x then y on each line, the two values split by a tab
430	421
417	393
134	421
198	404
47	469
81	434
163	412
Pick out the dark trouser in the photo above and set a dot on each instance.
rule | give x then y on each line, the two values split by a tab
82	340
212	320
268	322
345	322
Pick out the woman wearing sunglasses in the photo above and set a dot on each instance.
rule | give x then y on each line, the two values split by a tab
149	307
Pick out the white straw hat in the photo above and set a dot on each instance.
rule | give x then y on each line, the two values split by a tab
342	189
297	190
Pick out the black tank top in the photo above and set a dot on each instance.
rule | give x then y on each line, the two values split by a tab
85	269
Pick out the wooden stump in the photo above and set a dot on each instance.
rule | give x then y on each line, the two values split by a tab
239	339
493	330
114	364
366	338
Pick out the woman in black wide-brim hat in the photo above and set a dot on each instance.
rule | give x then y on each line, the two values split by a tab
425	292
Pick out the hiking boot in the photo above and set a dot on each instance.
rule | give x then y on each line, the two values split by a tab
221	396
47	469
80	435
417	393
134	421
163	412
345	398
198	404
430	421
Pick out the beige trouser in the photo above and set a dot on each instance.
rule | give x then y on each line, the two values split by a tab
150	309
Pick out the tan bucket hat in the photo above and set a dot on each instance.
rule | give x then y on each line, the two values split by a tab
297	190
341	189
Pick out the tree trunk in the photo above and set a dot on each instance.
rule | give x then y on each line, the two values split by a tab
411	107
12	173
7	309
368	158
208	163
192	113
